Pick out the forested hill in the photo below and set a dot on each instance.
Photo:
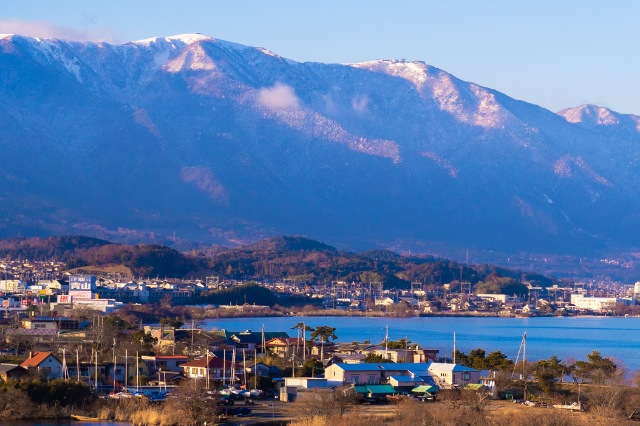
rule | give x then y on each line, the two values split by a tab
296	258
62	248
308	261
78	251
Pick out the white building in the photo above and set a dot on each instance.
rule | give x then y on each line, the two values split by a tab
588	303
385	301
12	286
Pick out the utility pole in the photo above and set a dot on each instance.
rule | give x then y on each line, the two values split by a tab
115	363
207	369
192	336
386	343
454	347
138	372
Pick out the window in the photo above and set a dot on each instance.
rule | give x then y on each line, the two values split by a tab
372	379
466	376
355	379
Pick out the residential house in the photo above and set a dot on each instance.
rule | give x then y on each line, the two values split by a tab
165	362
36	335
166	336
439	374
218	369
11	372
404	384
449	376
395	355
264	370
373	373
125	373
48	323
44	363
425	355
384	301
285	346
251	340
89	372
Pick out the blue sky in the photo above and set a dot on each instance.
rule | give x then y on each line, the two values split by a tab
554	53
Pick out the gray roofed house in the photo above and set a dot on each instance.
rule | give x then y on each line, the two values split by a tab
11	371
251	339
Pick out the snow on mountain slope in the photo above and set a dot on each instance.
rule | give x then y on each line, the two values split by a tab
599	118
468	103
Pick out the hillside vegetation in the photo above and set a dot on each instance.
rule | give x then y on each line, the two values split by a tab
296	258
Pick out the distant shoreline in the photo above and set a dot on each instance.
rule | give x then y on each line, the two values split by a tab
240	313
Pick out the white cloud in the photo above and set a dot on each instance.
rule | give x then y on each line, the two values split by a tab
360	104
42	29
280	96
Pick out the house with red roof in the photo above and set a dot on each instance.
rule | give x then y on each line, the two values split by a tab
44	363
219	369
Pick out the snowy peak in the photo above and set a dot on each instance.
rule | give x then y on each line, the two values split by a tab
466	102
414	72
183	39
599	118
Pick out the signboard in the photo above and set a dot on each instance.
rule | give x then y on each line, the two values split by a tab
82	286
80	294
64	298
82	282
5	303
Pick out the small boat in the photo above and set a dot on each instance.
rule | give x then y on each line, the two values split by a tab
80	418
575	406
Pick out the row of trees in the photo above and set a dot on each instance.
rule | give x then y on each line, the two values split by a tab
548	372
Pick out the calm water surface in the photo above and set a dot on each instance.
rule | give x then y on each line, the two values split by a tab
571	337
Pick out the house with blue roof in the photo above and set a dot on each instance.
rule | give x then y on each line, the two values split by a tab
448	376
442	375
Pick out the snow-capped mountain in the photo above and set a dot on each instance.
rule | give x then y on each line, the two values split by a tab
214	141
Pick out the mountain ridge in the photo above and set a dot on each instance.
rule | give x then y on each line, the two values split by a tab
223	143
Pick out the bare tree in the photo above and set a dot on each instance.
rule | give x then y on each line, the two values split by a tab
190	402
324	403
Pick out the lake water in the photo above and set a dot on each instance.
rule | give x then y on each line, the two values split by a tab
566	337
